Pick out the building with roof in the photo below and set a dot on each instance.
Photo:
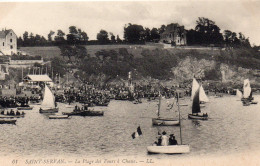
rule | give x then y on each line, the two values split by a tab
37	80
8	42
174	34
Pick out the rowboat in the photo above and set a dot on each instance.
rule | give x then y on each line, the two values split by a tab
24	108
7	121
165	121
11	116
84	113
58	116
170	149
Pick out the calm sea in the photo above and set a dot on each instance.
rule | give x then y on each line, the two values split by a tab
232	128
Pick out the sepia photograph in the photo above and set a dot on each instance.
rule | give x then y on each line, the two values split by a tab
142	83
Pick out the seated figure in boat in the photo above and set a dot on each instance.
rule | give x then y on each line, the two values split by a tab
164	139
3	112
172	140
159	142
201	114
18	113
12	112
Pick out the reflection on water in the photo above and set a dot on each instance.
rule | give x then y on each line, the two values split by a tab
231	128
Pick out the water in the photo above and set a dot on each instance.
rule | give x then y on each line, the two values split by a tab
232	128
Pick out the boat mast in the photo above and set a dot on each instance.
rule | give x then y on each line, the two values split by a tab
179	115
159	105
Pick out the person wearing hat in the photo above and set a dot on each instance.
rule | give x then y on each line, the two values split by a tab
164	139
172	140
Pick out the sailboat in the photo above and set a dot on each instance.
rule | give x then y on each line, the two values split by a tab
48	103
196	112
171	149
247	98
202	96
159	121
239	94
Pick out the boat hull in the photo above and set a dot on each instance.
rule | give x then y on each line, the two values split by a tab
11	116
171	149
58	117
84	113
198	117
24	108
165	122
50	110
7	121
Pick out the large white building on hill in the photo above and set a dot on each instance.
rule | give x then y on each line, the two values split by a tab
8	42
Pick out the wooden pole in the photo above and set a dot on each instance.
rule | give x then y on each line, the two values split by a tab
179	115
159	105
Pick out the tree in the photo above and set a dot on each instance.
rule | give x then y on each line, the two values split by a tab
147	33
59	39
102	37
84	37
112	37
50	36
134	33
155	34
209	31
73	37
162	29
73	30
118	40
20	42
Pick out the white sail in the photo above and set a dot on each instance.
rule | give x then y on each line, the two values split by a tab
239	94
246	88
195	86
203	96
48	99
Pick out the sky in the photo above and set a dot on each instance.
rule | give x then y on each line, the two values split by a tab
92	16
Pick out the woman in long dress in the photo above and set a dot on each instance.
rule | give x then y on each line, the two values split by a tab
165	139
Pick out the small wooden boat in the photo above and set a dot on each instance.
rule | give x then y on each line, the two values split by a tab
196	112
7	121
159	121
48	103
11	116
197	116
50	110
84	113
253	102
102	104
58	117
24	108
165	121
170	149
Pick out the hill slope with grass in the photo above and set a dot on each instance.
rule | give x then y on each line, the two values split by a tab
107	63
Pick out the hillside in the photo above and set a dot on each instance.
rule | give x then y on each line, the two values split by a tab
153	62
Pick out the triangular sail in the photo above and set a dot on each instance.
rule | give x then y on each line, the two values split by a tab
48	99
246	88
196	102
195	87
203	97
239	94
